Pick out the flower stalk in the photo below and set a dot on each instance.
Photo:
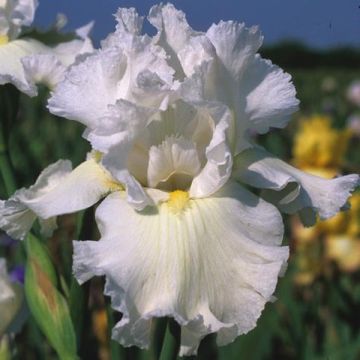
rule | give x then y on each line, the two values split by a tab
6	167
159	326
79	294
171	343
9	97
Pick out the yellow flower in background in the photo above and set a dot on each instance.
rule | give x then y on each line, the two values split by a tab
101	331
326	173
319	149
335	225
317	144
100	326
308	265
340	237
344	250
303	235
308	259
354	216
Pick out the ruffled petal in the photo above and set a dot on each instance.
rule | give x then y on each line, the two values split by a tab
136	73
217	169
16	217
259	93
49	69
211	265
174	32
115	139
235	45
43	69
129	25
26	62
175	157
291	189
11	68
270	95
116	162
89	87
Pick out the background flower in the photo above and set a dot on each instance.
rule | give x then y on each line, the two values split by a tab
26	61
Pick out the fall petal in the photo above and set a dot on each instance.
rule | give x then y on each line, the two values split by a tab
291	189
162	263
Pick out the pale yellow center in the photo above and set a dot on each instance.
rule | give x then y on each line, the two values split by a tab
97	155
4	39
178	200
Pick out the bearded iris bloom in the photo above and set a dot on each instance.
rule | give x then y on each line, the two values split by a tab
169	119
26	61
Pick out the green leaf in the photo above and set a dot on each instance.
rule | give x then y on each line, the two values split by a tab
46	303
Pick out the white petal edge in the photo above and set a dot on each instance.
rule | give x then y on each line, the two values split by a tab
80	189
11	68
292	189
16	218
217	169
235	45
43	69
270	95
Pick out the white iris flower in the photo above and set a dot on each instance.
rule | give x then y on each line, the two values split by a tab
11	298
25	61
169	120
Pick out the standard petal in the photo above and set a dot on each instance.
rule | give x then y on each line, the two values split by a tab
259	94
16	218
129	25
11	68
270	95
235	45
89	87
80	189
212	265
175	159
174	33
291	189
138	73
217	169
116	162
115	139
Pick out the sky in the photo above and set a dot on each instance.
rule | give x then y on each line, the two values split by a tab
317	23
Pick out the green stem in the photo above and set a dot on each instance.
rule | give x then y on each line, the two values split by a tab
79	294
116	351
9	106
157	338
171	344
6	167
